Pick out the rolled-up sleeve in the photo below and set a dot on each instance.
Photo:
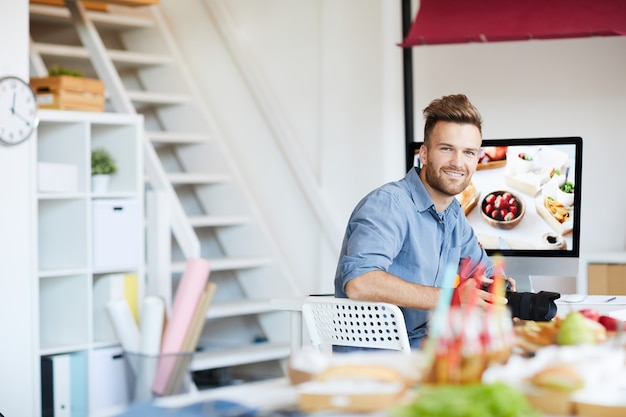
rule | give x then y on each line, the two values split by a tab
374	236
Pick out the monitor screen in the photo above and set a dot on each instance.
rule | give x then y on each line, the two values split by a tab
524	203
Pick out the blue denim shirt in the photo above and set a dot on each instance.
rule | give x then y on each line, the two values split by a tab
397	229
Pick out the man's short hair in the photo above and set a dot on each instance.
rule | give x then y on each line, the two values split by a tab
453	108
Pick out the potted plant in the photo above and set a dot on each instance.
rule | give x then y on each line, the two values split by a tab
102	167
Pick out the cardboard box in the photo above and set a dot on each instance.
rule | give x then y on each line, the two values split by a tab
117	225
57	178
605	279
65	92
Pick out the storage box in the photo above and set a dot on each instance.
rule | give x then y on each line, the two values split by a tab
113	389
57	178
65	92
605	279
117	229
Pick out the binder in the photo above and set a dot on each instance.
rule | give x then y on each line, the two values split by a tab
78	384
55	386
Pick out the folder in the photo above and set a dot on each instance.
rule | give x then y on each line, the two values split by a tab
78	384
55	386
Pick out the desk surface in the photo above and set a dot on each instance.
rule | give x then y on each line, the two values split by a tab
603	303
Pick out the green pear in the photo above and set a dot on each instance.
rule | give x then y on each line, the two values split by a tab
574	330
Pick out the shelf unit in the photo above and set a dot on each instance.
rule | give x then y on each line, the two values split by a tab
68	321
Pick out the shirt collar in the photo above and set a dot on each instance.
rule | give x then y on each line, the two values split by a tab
422	199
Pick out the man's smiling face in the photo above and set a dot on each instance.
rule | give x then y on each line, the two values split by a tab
451	158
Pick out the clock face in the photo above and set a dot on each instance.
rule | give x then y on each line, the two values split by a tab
18	110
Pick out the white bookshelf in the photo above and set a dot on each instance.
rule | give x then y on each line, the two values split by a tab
65	232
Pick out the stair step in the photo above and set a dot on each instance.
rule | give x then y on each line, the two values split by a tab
137	59
105	20
239	308
233	356
157	99
121	59
177	137
182	178
226	264
217	221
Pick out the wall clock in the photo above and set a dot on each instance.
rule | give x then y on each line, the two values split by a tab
18	110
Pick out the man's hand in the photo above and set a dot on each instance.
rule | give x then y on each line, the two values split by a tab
512	283
471	292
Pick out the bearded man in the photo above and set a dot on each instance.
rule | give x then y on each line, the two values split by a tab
401	237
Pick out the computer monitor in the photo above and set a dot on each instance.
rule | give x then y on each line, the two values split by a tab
543	238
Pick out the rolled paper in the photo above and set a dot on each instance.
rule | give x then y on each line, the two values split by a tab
151	325
124	324
125	327
192	285
152	316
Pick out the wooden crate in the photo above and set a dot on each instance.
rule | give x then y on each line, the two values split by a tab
131	3
65	92
89	5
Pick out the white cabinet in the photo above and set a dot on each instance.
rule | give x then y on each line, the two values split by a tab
67	235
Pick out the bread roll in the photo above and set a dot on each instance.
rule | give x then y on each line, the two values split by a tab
559	377
373	372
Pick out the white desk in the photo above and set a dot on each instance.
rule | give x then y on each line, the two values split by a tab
598	302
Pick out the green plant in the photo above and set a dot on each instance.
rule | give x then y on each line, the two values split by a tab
56	70
102	163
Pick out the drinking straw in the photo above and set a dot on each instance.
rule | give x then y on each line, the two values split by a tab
498	283
440	315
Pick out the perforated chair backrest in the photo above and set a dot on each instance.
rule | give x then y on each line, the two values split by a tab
346	322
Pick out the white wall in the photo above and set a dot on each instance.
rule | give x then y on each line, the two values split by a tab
331	69
334	70
17	282
574	87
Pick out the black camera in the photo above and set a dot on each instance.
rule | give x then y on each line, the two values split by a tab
539	306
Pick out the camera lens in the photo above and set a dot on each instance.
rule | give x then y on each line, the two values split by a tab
539	306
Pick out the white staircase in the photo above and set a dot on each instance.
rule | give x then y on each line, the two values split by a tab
208	211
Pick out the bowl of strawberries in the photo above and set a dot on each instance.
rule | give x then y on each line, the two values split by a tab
502	209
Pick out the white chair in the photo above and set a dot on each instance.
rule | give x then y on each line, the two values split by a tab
346	322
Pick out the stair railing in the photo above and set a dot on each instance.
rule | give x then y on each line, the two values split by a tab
104	67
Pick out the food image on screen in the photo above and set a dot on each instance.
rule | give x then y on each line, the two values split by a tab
524	198
538	178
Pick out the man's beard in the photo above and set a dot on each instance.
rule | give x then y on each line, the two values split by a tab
438	183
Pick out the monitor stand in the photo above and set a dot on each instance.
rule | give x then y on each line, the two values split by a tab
524	283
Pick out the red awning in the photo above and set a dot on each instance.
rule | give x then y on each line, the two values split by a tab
459	21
